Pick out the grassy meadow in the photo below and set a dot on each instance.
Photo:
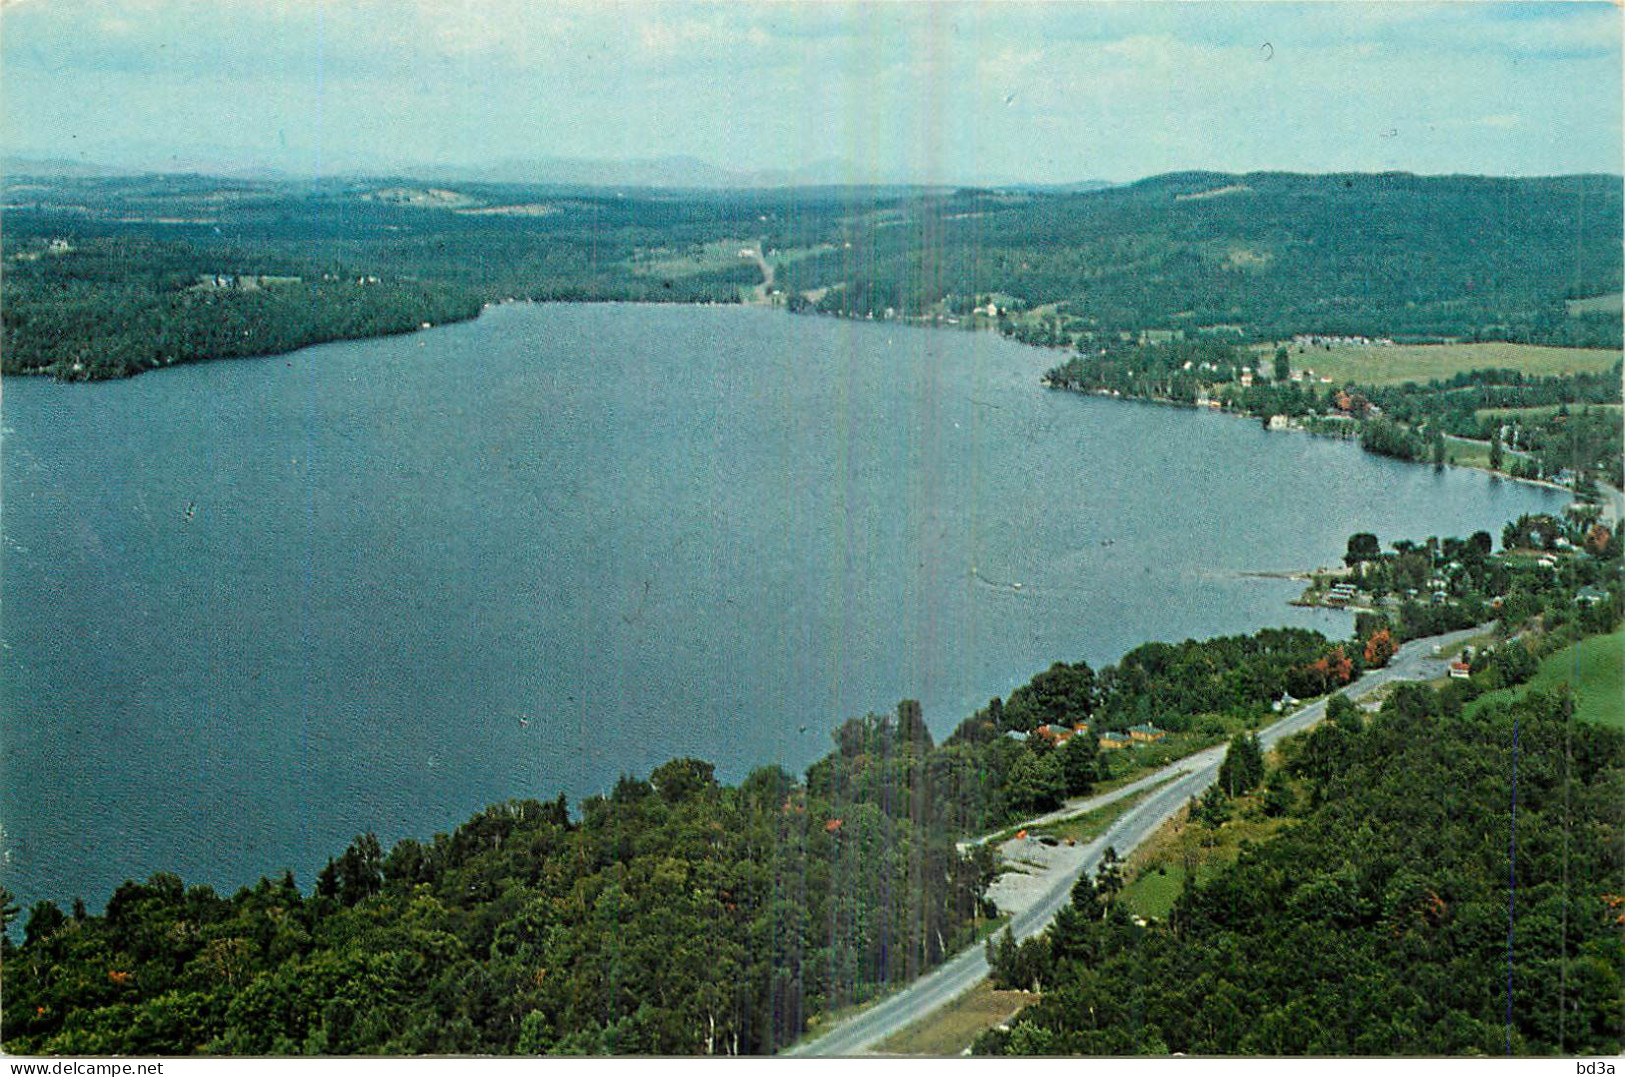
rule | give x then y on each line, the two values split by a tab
1594	668
1423	362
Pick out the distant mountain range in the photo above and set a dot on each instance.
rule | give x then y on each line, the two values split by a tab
674	173
55	168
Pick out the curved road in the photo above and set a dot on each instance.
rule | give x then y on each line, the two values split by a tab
1194	773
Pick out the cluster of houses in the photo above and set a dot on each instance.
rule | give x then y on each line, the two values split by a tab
1341	594
1250	376
54	248
244	282
1332	340
1112	740
1355	404
1461	668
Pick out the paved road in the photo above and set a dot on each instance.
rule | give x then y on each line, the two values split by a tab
1084	806
1613	504
755	255
864	1031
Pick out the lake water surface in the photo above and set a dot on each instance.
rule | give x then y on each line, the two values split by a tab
252	608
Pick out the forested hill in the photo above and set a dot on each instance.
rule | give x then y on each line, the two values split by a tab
1264	254
109	276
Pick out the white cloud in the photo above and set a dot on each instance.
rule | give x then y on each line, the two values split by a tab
1092	89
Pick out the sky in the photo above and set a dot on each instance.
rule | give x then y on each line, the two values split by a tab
925	92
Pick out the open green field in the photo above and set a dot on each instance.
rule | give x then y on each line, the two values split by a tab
1534	415
700	258
1594	668
1466	452
1424	362
953	1028
790	256
1597	304
1153	893
1158	870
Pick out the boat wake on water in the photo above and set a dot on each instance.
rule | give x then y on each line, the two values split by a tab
1013	587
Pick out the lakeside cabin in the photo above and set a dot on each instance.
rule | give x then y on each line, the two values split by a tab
1146	733
1340	595
1060	734
1460	670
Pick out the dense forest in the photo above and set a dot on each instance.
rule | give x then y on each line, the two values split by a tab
674	916
170	269
106	278
1451	887
1264	254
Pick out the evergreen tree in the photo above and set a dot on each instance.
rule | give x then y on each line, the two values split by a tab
1109	876
1079	759
1243	765
1341	712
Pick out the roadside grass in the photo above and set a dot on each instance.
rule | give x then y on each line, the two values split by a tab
1137	761
1593	668
1424	362
1089	826
1153	892
952	1029
985	929
1182	851
820	1024
1141	760
1113	784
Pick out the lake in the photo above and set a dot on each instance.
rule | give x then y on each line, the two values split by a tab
250	609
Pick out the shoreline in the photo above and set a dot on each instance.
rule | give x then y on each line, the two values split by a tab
1182	405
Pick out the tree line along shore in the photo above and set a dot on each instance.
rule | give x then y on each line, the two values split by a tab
683	915
1562	428
112	276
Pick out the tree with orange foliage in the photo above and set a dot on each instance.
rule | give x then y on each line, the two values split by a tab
1329	671
1379	649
